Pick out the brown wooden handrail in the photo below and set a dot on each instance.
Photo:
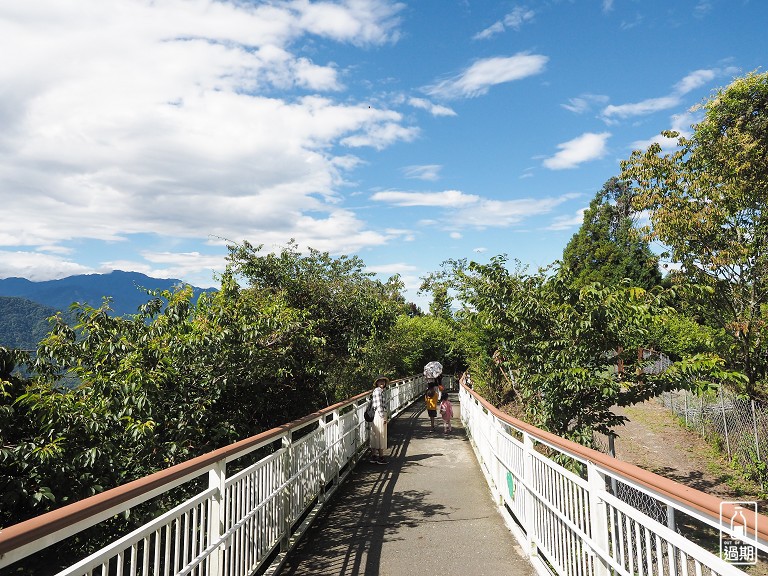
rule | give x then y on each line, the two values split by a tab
706	503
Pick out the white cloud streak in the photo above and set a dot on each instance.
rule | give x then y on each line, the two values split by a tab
569	221
38	266
445	199
680	123
476	211
514	20
585	103
483	74
431	107
587	147
429	172
692	81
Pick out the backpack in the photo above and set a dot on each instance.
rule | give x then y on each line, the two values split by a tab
369	413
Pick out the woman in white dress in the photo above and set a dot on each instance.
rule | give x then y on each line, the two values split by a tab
379	424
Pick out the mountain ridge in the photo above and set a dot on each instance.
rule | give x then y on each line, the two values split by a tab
26	303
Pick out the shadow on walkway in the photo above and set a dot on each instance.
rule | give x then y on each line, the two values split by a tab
428	511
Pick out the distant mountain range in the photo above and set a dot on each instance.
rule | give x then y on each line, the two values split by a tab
25	305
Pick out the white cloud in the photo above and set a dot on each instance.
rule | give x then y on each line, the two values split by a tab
514	20
692	81
584	103
636	21
504	213
380	136
123	118
429	172
359	21
588	146
483	74
519	16
394	268
196	268
703	8
447	198
495	28
432	108
568	221
38	266
641	108
476	211
681	123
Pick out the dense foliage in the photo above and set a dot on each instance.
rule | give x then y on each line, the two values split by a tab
566	355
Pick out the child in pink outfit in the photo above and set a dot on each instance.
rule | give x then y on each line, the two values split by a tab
446	412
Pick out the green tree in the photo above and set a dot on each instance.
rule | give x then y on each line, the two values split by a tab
707	203
558	348
606	248
414	341
342	306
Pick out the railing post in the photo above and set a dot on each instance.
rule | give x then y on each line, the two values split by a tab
337	446
598	518
323	475
357	436
671	550
286	496
530	521
217	477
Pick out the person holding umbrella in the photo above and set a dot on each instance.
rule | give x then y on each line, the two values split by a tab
433	373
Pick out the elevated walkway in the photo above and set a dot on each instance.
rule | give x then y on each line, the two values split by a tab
427	512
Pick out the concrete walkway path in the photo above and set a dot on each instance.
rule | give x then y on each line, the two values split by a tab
429	511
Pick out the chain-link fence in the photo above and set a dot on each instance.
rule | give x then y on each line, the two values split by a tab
739	427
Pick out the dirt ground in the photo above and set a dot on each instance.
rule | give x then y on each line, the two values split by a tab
654	440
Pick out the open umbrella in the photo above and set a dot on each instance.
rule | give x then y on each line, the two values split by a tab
432	370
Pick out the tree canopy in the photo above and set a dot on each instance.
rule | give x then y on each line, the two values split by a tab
558	348
607	249
707	203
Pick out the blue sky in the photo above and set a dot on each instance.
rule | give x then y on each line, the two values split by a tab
142	135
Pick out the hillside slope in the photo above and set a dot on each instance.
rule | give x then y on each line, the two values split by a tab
25	306
126	289
23	323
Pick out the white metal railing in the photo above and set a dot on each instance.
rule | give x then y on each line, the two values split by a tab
572	524
235	525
